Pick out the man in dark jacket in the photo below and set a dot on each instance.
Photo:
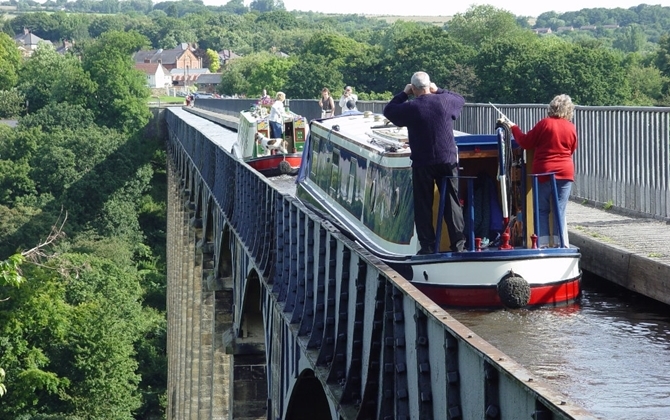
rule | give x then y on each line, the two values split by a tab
429	120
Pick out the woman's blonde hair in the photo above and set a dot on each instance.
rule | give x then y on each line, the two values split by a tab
562	107
280	96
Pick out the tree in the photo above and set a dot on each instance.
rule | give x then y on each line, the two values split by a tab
263	6
213	60
120	98
270	74
662	59
647	85
278	19
233	81
428	49
10	61
11	275
70	336
536	71
49	77
250	74
235	6
503	77
41	24
631	39
310	76
12	103
480	24
105	23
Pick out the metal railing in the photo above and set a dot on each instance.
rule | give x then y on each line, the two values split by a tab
622	158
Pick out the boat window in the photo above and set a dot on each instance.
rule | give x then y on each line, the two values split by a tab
352	179
314	163
395	202
335	174
373	195
344	178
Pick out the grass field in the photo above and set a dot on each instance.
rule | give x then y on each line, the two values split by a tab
436	20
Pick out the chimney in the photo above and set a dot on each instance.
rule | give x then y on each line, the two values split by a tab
26	31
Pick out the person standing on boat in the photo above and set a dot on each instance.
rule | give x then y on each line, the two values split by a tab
346	95
554	139
276	118
327	104
429	120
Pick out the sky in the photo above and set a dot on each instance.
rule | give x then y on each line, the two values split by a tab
449	7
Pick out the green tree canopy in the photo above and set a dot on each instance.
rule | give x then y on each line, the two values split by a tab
481	24
69	339
120	98
311	75
536	71
49	77
213	60
10	61
428	49
264	6
250	74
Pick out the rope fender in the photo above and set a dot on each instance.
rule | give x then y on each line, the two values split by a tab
513	290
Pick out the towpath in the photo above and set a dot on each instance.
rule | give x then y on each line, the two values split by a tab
633	252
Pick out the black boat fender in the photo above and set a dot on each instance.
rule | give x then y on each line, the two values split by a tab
514	290
285	167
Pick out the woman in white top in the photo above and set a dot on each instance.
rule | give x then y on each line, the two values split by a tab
348	94
276	118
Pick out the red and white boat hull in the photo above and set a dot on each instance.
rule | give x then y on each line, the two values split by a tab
278	164
473	279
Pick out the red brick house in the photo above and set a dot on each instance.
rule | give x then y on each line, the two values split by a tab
181	57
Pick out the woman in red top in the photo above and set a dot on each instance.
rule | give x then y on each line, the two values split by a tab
554	140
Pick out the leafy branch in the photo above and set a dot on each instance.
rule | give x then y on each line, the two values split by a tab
10	269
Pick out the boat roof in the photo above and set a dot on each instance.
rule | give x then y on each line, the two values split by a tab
257	115
374	131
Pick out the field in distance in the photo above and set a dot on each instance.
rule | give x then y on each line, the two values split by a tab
436	20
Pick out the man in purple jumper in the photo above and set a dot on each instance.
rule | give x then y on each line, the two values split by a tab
429	120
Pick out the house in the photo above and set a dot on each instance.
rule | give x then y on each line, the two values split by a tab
588	28
278	53
565	28
542	30
186	77
157	75
181	57
64	47
27	42
614	26
226	55
208	82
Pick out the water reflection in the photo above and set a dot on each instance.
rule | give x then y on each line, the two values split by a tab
609	353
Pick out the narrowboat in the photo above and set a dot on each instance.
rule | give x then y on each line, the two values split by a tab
356	172
281	157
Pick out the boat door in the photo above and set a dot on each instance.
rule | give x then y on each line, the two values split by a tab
299	135
294	134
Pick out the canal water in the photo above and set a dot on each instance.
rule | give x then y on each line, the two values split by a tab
609	354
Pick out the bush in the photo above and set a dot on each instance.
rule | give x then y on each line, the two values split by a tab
12	103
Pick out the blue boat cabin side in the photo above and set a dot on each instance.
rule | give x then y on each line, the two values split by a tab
379	194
